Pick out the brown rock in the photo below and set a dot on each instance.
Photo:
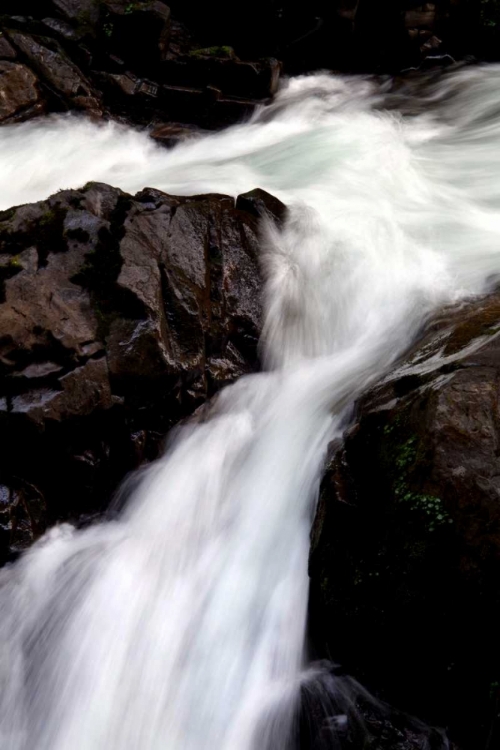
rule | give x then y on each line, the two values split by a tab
47	57
19	92
119	316
7	51
79	11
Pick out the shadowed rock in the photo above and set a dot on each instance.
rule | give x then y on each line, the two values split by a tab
119	315
405	557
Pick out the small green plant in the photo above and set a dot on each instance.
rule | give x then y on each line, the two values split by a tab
429	507
108	29
14	262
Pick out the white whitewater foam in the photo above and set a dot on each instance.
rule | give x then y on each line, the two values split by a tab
180	626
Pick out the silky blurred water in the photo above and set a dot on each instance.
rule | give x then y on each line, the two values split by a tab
180	625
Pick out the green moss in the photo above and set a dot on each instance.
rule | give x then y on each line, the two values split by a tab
14	262
405	458
131	7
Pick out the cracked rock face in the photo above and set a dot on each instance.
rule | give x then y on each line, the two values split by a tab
405	557
119	315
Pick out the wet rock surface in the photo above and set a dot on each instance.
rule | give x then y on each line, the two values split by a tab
405	557
119	316
337	713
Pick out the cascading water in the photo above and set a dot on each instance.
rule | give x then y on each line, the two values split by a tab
180	625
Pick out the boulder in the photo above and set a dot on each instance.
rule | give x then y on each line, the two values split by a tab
20	96
405	556
60	75
78	12
119	315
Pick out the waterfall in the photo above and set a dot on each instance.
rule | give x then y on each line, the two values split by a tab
180	624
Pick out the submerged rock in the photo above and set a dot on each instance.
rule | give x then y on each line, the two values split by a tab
405	557
119	315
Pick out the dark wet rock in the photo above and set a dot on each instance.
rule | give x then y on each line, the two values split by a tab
78	12
169	135
261	204
405	557
119	316
61	29
130	60
22	516
202	68
20	96
7	51
58	72
337	713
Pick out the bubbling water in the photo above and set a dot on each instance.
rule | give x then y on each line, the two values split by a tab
181	623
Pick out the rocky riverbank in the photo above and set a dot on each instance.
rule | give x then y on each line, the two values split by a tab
179	67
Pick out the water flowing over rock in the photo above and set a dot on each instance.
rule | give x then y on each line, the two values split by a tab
119	316
180	617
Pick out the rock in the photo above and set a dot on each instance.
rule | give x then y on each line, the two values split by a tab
171	134
60	74
22	517
335	711
7	51
19	92
119	316
113	57
405	557
61	29
79	12
261	204
199	69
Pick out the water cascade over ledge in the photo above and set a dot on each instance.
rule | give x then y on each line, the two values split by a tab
181	623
